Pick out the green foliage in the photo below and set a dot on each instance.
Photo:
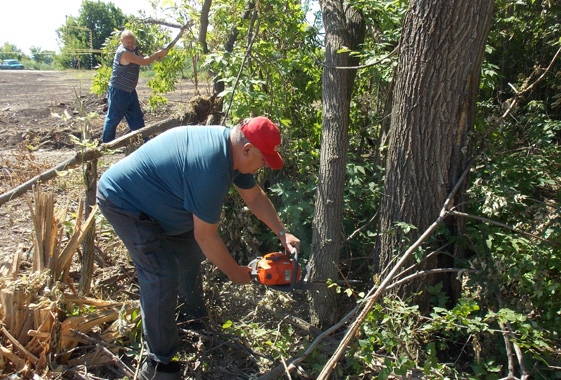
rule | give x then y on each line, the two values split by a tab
278	344
168	71
95	23
281	78
10	51
516	182
100	81
296	207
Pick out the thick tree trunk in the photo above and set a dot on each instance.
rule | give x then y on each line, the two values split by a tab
344	27
441	51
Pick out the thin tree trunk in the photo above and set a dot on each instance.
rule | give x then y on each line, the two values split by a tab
344	27
203	25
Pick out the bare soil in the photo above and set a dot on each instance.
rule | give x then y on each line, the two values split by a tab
40	111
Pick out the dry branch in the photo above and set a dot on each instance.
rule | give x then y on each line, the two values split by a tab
94	153
375	293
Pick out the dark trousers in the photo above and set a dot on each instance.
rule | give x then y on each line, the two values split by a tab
167	267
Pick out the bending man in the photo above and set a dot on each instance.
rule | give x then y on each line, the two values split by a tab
164	202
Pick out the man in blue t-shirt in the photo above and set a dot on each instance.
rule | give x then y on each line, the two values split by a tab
164	202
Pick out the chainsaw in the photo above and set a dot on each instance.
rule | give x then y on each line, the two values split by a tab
278	271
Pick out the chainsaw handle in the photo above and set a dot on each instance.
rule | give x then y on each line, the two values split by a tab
294	269
252	266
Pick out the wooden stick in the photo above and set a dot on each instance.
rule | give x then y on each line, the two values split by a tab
371	299
32	358
94	153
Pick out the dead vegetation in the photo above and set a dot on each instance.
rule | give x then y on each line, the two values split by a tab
50	330
42	315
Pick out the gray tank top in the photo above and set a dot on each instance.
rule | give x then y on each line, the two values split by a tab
124	77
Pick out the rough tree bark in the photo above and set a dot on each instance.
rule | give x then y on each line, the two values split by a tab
203	26
344	27
441	51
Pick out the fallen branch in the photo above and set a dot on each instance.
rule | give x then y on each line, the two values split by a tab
375	293
486	220
94	153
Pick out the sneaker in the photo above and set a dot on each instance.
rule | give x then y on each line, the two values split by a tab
153	370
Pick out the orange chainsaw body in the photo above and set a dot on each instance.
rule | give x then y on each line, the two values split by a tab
276	269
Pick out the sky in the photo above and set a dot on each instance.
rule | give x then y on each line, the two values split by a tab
27	23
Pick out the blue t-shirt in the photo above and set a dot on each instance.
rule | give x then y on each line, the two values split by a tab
184	171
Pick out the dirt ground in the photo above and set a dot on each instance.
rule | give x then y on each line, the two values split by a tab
40	111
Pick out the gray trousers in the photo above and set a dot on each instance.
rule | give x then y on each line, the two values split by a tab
167	267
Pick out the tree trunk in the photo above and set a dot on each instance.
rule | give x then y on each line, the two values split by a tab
441	51
203	26
344	27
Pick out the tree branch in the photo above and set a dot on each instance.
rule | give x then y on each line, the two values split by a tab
424	273
351	236
154	21
375	293
172	43
462	214
518	94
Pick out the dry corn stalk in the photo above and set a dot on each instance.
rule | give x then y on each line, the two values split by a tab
34	322
49	229
46	225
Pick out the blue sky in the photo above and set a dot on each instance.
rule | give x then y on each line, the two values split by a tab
27	23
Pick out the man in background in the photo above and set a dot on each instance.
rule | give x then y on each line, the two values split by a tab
122	99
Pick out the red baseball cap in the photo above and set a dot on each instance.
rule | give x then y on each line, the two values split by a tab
265	136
